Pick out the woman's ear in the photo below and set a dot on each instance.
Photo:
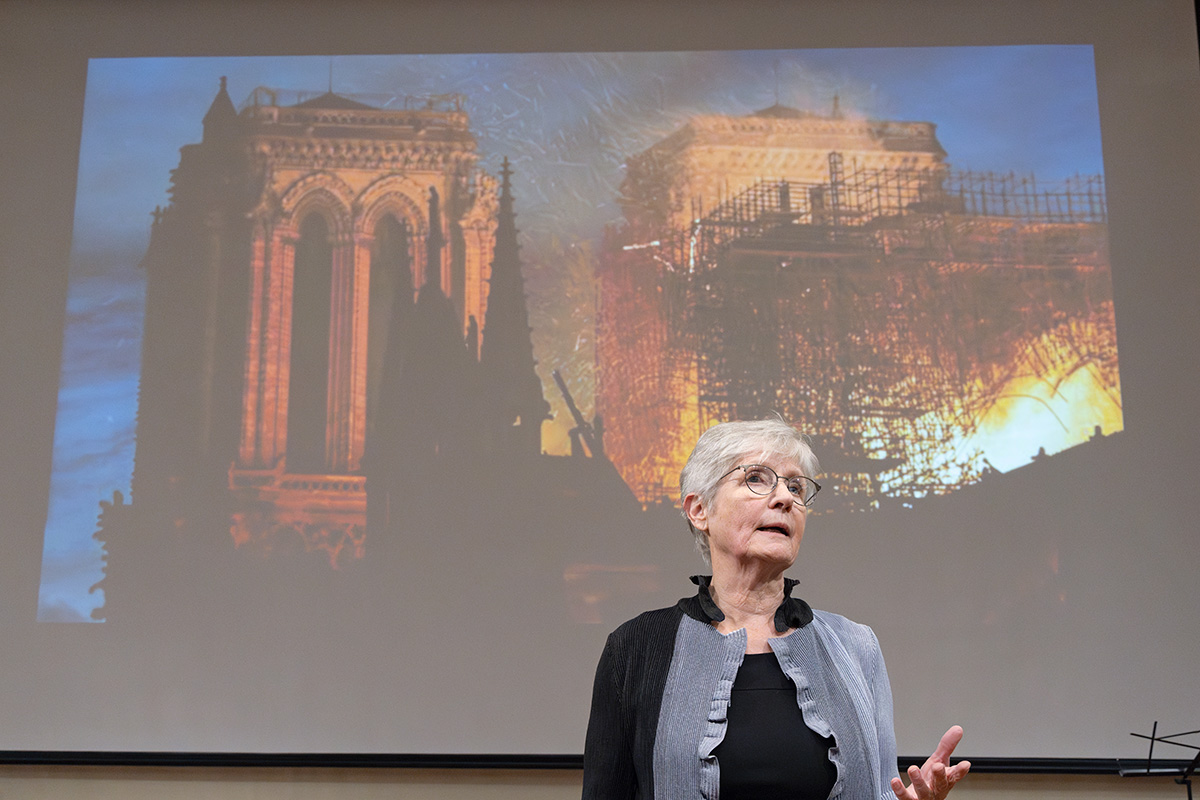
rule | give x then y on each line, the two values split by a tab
695	511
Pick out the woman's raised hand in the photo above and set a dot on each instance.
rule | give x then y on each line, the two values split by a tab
935	778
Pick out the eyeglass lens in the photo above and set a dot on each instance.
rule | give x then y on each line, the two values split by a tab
762	480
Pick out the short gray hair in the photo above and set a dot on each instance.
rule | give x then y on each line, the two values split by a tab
723	447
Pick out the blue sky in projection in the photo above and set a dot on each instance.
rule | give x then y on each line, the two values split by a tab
567	122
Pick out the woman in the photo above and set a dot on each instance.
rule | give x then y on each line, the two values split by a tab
743	691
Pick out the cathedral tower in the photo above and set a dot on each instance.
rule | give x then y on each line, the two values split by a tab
287	266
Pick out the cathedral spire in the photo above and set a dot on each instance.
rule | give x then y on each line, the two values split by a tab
506	358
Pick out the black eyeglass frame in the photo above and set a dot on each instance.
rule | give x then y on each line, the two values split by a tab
746	467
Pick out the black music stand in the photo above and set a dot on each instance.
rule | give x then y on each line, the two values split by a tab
1184	775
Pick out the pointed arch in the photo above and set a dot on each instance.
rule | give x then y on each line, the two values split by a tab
316	209
392	194
323	192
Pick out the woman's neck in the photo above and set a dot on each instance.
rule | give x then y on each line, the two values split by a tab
749	602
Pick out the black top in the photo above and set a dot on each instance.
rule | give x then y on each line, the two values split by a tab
768	753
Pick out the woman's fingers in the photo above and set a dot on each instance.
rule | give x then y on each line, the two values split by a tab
916	779
949	741
934	779
940	784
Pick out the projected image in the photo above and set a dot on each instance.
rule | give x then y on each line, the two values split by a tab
333	321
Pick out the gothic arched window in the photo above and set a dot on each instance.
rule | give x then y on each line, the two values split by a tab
308	385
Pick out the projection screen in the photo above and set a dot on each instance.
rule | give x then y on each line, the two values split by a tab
352	353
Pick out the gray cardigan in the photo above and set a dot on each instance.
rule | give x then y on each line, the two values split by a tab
664	682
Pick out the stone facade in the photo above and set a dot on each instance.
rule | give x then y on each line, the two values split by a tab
294	244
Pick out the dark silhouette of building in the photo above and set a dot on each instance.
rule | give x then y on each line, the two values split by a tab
516	405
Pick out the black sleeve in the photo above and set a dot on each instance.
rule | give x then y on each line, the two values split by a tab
608	770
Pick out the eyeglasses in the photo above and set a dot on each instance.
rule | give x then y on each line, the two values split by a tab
763	480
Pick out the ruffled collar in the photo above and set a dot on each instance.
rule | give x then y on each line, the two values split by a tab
792	612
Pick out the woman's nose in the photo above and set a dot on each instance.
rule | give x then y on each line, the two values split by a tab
780	495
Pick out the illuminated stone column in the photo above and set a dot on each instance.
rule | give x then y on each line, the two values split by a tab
360	331
444	272
477	257
479	238
264	407
251	383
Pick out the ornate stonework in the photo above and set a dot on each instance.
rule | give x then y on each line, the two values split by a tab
281	220
355	166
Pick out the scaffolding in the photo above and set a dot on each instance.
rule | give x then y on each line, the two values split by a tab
886	312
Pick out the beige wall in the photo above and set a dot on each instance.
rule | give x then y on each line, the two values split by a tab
188	783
